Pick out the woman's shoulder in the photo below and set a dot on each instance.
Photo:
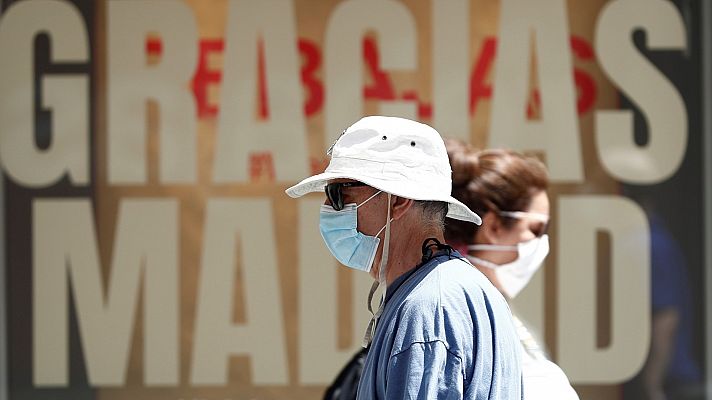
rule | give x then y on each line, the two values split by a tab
544	379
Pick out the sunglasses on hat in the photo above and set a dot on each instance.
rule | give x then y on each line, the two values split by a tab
335	195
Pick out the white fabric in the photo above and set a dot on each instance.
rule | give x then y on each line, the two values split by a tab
396	155
541	378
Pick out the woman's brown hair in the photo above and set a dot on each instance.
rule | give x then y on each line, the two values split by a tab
491	180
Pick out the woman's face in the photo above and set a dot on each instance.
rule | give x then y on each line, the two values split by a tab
493	230
526	228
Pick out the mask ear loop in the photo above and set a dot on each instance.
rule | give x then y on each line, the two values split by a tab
371	328
368	199
492	247
480	262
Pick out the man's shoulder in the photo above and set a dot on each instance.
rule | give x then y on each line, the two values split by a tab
446	281
445	303
459	273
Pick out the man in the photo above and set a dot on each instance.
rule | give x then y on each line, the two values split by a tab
442	330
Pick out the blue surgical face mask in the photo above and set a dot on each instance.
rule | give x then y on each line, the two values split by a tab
351	247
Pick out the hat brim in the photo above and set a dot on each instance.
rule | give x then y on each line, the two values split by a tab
316	183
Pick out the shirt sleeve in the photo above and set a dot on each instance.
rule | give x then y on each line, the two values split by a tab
425	370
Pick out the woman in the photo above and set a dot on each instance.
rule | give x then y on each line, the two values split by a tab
508	190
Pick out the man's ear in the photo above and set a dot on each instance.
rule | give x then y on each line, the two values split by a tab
491	229
400	205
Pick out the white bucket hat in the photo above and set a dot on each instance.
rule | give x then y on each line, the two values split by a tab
396	155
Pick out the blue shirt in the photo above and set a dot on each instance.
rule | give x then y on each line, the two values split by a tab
445	333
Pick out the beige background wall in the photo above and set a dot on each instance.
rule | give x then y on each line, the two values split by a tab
207	110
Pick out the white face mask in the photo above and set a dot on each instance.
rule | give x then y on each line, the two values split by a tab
515	275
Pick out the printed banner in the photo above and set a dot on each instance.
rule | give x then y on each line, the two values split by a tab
151	252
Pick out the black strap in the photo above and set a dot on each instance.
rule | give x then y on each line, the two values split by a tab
428	246
431	248
345	386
